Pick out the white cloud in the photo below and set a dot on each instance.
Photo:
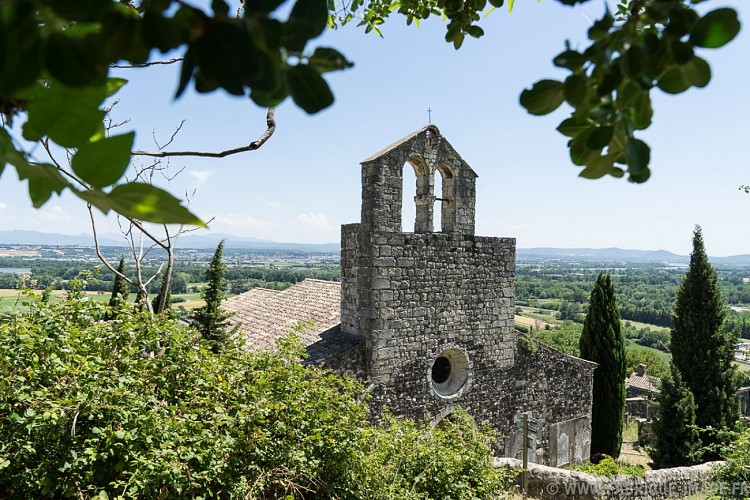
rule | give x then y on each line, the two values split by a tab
312	227
54	215
2	205
309	227
241	225
200	176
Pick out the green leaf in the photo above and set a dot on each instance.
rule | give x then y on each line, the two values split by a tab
325	59
632	61
102	163
69	62
144	202
601	27
44	179
638	102
164	33
696	73
69	116
715	29
307	20
261	7
114	85
638	156
576	90
569	59
8	151
186	72
598	167
573	126
226	56
543	98
599	137
309	90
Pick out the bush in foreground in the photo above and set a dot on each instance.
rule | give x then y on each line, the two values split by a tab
138	407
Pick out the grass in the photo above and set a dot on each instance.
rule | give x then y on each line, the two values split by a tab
638	325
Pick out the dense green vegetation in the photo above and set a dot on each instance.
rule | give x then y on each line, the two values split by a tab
139	407
645	292
602	342
56	274
730	478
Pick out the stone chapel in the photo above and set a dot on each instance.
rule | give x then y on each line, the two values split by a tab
427	318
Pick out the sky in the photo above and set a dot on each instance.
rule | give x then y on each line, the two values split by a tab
305	181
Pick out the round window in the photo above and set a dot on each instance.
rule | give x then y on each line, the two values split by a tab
449	372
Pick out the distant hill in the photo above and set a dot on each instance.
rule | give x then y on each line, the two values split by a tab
602	253
203	241
621	255
23	237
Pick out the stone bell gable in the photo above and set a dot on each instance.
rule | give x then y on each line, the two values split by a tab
430	154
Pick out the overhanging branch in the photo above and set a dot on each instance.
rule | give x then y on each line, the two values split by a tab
271	127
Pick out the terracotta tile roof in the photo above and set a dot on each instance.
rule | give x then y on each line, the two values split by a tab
643	382
266	315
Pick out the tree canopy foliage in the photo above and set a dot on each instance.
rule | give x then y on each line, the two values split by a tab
55	60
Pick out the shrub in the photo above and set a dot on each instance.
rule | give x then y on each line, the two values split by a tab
411	460
734	472
607	466
137	407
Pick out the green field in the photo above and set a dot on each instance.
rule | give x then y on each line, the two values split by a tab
661	354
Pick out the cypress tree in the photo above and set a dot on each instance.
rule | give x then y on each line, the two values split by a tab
677	441
157	298
120	288
601	341
702	349
210	319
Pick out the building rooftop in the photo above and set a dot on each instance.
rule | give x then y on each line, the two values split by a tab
639	379
265	315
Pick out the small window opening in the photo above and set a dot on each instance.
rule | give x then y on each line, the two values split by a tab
439	200
441	370
408	203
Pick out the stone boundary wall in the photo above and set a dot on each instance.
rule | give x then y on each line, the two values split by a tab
549	483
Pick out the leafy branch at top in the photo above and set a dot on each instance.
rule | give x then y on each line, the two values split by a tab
55	59
648	44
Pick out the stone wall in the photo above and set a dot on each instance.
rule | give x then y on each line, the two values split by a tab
556	389
415	296
550	483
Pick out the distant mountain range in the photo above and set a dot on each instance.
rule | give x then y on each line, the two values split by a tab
622	255
23	237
